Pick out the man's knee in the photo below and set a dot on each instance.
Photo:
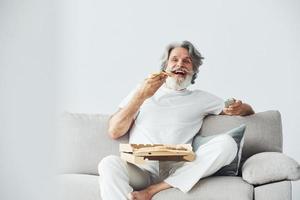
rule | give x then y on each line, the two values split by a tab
109	163
228	146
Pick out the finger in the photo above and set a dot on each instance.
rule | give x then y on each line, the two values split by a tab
236	104
156	80
163	76
230	109
233	106
157	75
167	73
158	84
231	112
153	78
235	112
154	83
227	111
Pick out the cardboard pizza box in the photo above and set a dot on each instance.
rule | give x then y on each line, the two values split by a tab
139	153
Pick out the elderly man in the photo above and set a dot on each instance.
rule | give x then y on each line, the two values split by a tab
161	110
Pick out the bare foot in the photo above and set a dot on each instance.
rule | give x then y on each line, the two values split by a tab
148	193
140	195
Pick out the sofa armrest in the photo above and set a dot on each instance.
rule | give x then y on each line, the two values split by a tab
269	167
83	141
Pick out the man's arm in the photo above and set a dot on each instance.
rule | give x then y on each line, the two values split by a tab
122	120
238	108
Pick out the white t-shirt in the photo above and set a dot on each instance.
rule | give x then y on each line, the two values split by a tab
172	117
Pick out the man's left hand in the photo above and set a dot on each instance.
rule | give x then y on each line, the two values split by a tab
238	108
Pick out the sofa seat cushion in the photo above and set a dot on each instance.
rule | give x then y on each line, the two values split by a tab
78	187
81	186
276	191
212	188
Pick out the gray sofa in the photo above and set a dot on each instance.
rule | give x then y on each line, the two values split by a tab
83	141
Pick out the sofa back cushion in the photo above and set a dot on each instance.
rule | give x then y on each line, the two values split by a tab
237	134
263	131
83	139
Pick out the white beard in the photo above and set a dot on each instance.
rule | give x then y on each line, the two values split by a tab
178	84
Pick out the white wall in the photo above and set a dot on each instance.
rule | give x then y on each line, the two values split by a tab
100	51
251	50
28	98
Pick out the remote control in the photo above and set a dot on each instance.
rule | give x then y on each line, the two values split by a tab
228	102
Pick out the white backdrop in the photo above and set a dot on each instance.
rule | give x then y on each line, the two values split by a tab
85	56
251	50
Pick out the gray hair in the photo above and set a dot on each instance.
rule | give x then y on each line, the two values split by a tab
194	53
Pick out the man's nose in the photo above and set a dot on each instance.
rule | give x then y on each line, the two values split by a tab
179	63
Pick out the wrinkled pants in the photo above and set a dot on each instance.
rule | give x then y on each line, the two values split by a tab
118	178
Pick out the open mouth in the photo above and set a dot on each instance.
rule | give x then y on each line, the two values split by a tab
179	72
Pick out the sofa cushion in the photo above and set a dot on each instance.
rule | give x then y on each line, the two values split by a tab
83	141
270	167
238	135
212	188
275	191
78	187
263	133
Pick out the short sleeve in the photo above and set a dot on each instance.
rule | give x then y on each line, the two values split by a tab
215	105
126	100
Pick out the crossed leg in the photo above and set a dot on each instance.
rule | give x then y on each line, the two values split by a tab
118	178
211	156
114	174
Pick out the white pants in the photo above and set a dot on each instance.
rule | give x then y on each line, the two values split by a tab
118	178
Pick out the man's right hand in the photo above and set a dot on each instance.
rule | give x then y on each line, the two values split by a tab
152	84
121	121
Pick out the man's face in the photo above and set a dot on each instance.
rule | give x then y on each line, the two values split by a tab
181	66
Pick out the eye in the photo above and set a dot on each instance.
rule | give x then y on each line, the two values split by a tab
187	61
174	59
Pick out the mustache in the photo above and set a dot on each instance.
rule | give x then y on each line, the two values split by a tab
183	69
